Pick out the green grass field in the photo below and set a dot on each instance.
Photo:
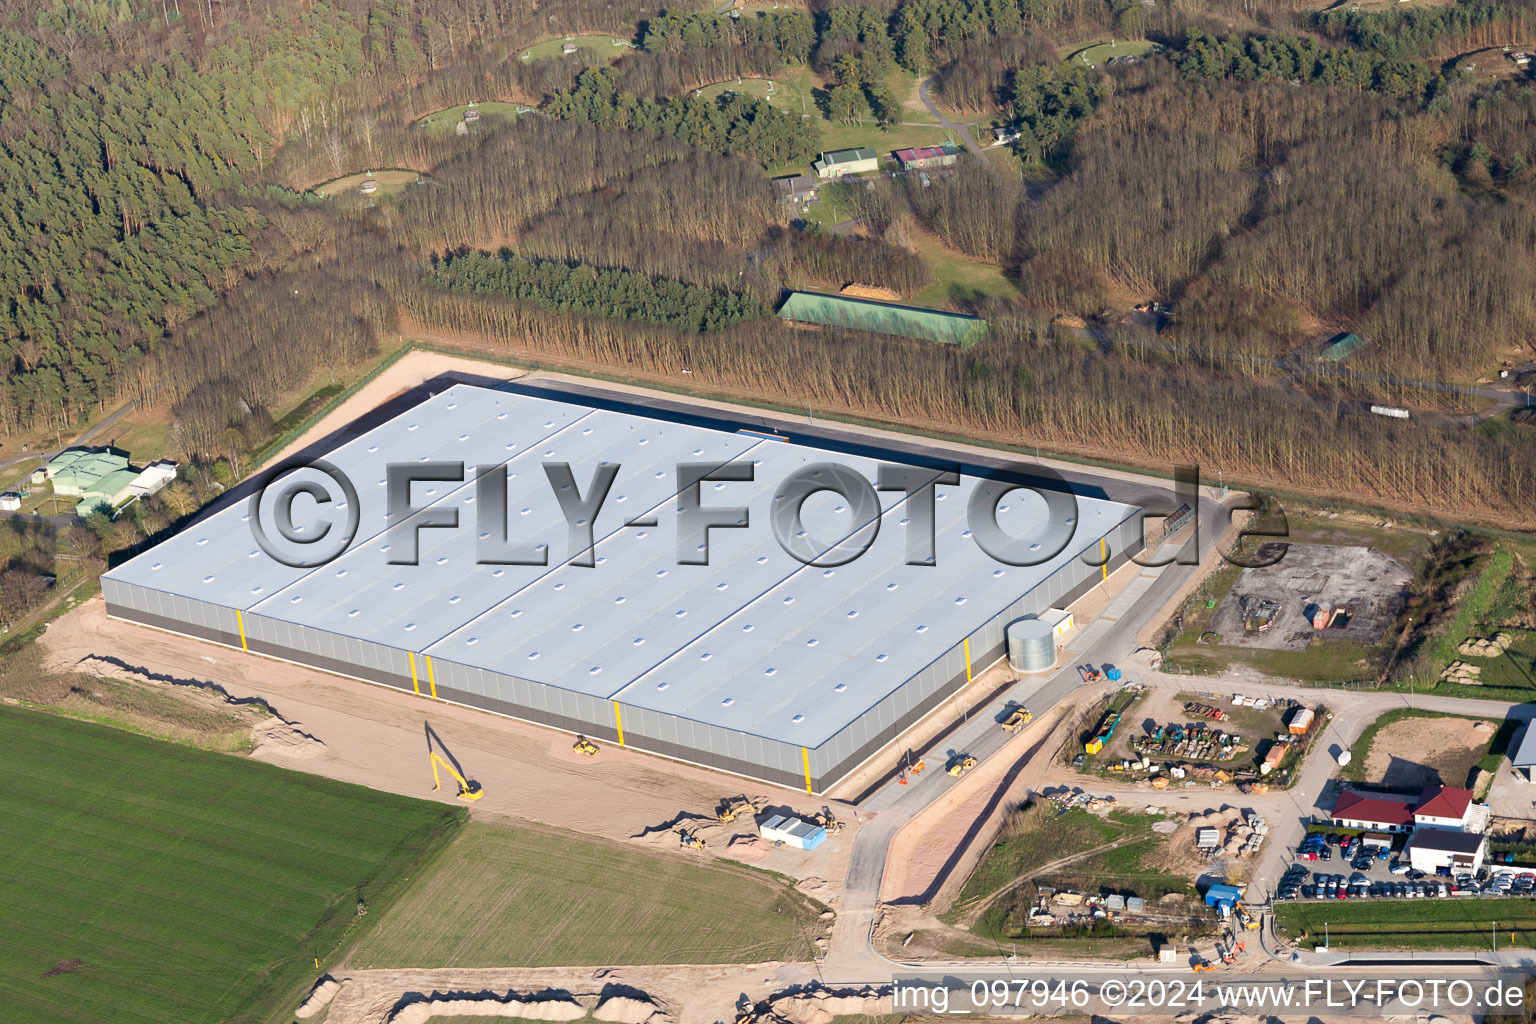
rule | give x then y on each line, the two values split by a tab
547	48
957	277
1095	55
1451	923
1041	834
442	122
527	896
390	182
145	882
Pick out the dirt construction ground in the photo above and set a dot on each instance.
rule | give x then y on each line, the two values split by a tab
358	732
1363	578
1412	753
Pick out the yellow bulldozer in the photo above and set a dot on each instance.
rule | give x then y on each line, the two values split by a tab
585	746
960	764
689	840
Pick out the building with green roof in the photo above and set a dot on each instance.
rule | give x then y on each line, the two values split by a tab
74	477
839	162
111	490
1340	346
883	318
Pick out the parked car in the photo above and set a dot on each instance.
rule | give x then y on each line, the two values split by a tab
1400	869
1383	852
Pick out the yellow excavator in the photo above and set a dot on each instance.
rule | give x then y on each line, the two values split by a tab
467	790
827	820
731	806
689	840
585	746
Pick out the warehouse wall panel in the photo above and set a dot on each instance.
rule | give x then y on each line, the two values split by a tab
544	704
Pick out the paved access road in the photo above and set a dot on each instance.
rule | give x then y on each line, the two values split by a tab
851	958
961	130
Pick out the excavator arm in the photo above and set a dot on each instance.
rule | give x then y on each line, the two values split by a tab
467	790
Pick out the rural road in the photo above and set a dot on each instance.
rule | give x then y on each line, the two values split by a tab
83	438
959	129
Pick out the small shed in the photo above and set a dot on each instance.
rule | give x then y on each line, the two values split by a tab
1272	757
10	501
567	48
1114	901
802	835
1301	721
1135	904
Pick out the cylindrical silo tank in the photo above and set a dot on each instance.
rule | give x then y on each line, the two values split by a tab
1031	645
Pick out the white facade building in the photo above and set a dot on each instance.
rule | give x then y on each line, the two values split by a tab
1433	849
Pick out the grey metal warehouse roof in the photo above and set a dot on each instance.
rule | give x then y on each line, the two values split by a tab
754	642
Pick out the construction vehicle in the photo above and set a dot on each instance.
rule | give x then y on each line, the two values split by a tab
909	770
1089	673
1017	720
1249	920
960	764
689	840
585	746
732	806
827	820
467	790
1201	966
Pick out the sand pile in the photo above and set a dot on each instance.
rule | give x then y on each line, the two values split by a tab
319	997
276	738
480	1004
630	1010
822	1006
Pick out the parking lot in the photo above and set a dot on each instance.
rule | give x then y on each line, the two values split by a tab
1333	866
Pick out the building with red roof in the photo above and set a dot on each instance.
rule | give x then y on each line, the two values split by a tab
1443	807
1384	812
923	157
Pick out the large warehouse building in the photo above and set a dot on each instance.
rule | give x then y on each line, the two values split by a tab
755	663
